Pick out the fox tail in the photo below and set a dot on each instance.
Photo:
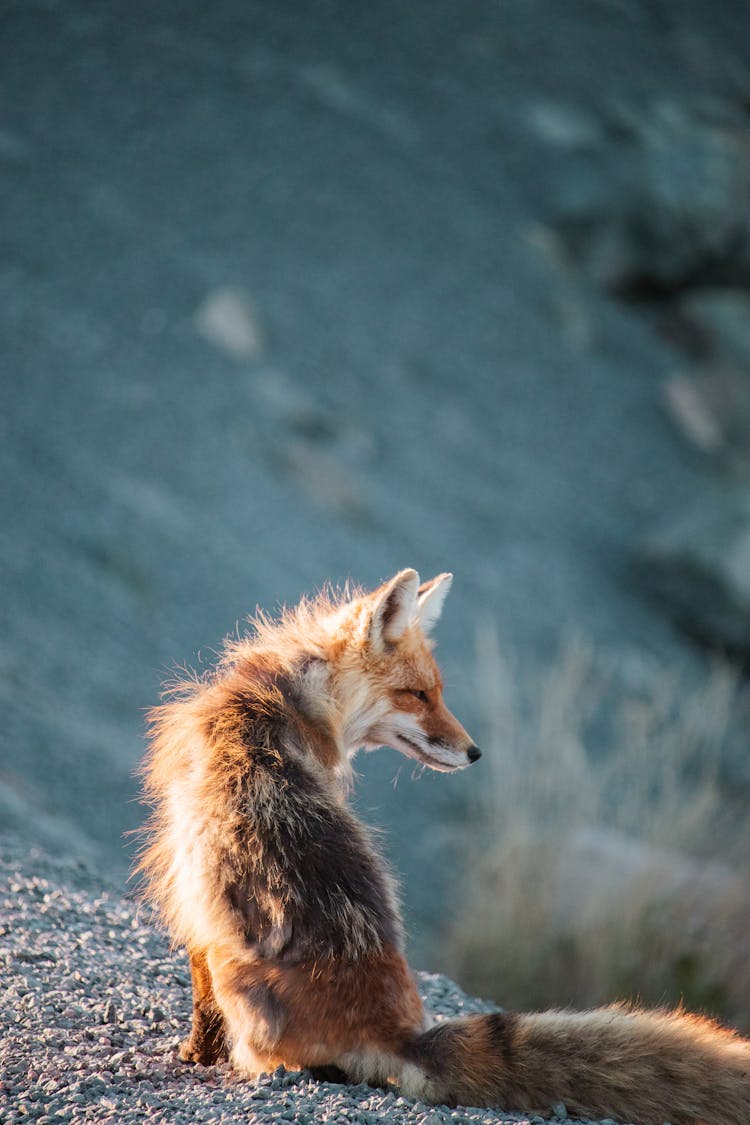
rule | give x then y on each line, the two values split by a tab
616	1062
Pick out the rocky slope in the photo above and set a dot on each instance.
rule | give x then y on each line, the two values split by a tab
301	292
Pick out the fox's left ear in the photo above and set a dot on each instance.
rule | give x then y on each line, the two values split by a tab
393	607
430	598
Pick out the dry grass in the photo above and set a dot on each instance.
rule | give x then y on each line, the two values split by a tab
613	862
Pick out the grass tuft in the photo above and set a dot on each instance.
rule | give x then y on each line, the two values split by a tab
613	858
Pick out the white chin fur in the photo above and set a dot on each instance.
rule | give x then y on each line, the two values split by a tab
412	743
446	761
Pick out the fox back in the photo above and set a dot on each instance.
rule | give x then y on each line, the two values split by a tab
248	772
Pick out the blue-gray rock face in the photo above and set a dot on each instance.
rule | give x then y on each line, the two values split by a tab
278	306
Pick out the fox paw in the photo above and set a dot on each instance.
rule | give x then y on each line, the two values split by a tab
189	1053
201	1052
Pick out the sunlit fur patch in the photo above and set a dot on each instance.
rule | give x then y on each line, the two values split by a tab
313	689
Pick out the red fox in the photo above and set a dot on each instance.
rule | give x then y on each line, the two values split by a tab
291	919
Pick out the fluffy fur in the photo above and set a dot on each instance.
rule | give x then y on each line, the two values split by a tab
291	918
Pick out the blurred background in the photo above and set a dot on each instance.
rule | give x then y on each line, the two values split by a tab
302	292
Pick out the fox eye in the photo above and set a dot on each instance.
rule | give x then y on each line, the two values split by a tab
420	695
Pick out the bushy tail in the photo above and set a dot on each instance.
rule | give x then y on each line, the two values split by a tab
625	1064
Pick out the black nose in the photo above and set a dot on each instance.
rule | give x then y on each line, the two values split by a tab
474	753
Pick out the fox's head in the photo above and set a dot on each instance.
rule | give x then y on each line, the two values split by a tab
387	682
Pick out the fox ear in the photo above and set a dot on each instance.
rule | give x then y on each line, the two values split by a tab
393	606
430	598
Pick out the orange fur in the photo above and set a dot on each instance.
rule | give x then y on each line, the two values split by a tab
291	918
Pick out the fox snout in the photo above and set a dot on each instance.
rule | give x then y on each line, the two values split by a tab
473	753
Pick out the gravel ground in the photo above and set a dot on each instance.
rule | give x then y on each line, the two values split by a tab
94	1005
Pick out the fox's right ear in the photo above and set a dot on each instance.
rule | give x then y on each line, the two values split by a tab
392	609
430	598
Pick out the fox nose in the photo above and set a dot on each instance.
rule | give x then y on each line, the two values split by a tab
473	753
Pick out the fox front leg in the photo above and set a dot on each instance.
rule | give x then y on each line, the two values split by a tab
206	1043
